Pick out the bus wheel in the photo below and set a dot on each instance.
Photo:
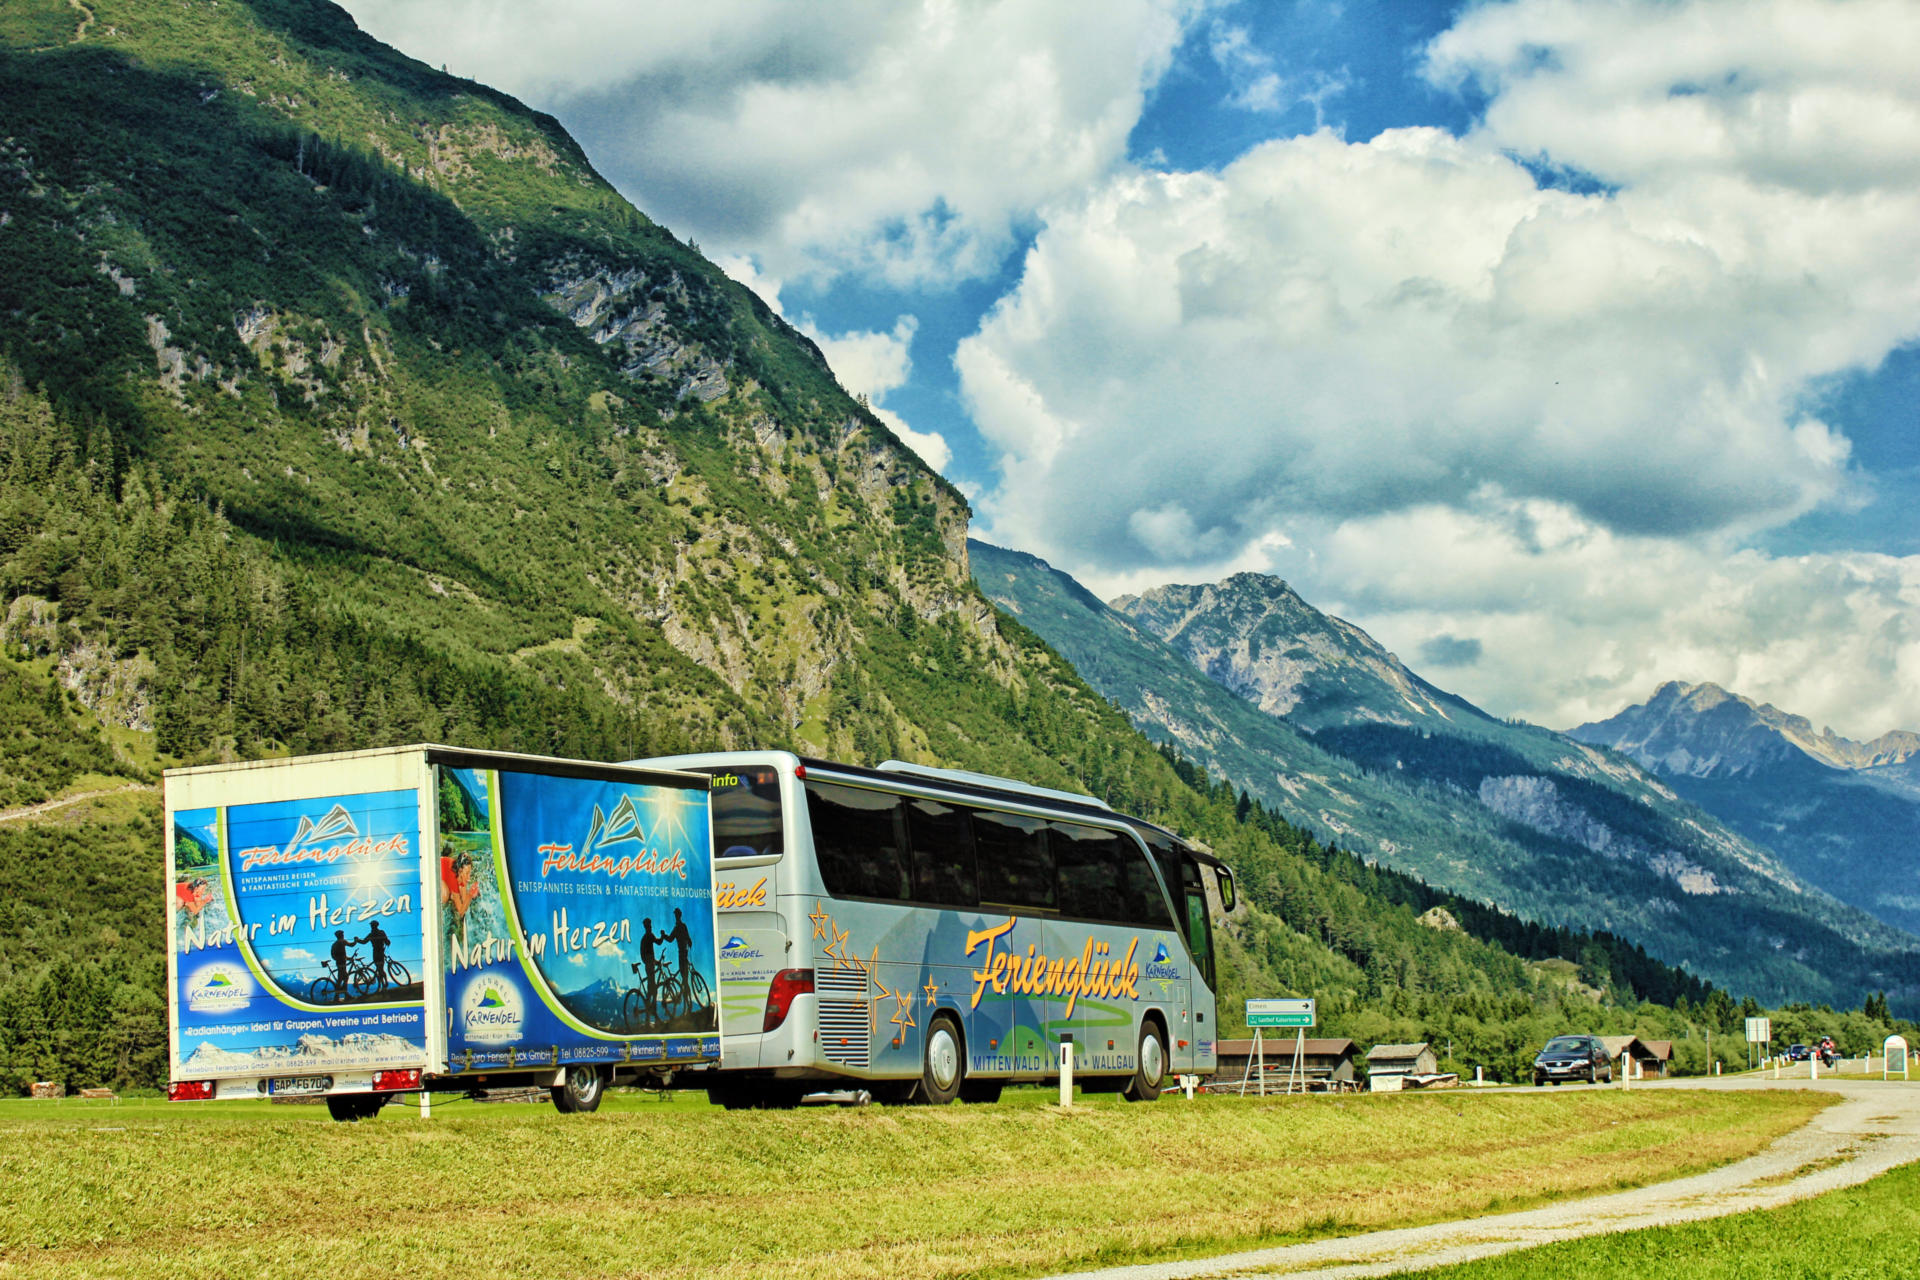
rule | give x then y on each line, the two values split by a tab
1150	1075
944	1067
581	1091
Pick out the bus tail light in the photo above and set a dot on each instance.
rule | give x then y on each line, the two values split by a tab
190	1091
787	984
396	1081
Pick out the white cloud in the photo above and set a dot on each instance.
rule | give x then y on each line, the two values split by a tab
904	141
1574	621
1256	83
1326	339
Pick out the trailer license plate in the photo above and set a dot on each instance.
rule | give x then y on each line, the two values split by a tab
299	1084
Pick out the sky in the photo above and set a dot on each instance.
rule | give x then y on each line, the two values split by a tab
1567	348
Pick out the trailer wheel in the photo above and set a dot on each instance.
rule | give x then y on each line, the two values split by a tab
581	1092
349	1108
1150	1075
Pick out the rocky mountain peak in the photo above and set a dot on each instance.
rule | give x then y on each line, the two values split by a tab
1702	731
1254	634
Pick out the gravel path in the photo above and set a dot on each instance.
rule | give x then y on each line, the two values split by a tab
1873	1128
35	810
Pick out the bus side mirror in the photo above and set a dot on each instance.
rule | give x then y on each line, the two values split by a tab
1228	895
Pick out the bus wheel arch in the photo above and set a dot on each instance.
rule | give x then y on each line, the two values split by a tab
943	1060
1150	1061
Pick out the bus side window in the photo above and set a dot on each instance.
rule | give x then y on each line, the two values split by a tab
942	838
1168	859
859	839
1089	861
1016	866
1144	902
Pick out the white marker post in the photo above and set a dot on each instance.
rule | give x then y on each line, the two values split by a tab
1066	1071
426	1104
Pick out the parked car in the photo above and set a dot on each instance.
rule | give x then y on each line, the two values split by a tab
1572	1058
1798	1053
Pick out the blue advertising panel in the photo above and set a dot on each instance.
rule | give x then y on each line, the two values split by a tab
577	916
297	931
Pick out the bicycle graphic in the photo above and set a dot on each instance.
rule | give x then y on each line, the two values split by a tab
665	993
357	978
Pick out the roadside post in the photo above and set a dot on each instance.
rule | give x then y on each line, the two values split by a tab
1261	1014
1066	1070
1894	1044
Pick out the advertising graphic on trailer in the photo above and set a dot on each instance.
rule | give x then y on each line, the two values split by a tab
297	931
577	920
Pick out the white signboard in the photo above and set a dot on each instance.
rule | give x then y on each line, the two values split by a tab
1759	1030
1280	1013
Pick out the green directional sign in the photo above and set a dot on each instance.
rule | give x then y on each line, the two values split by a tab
1279	1013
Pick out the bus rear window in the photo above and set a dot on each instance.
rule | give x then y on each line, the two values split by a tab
746	813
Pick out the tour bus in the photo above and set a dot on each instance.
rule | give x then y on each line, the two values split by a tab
937	934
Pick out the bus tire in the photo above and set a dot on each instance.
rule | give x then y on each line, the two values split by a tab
1150	1065
943	1062
581	1091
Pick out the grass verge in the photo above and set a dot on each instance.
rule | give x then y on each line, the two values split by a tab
1866	1232
682	1190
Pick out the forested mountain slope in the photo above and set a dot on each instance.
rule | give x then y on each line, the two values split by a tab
1384	763
342	403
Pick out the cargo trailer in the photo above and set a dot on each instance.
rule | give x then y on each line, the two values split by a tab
429	918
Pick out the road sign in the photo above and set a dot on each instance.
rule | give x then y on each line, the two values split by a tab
1279	1013
1759	1030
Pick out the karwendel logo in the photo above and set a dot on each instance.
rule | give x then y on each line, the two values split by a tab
492	1011
1161	968
736	952
219	987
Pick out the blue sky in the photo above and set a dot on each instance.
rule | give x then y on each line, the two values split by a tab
1567	347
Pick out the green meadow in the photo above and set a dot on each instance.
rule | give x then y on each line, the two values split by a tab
677	1188
1868	1232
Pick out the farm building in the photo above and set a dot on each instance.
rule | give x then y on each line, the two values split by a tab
1410	1066
1328	1064
1650	1062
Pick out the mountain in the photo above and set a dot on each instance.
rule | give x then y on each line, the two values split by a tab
1257	638
343	403
1843	815
1371	756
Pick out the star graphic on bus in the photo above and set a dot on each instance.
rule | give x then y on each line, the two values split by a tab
931	989
903	1011
821	920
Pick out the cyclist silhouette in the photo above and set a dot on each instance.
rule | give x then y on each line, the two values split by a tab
339	954
378	937
681	939
648	940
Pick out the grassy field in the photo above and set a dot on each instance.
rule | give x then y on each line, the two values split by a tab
1868	1232
680	1189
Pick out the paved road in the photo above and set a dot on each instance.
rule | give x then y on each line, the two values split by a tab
1873	1128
